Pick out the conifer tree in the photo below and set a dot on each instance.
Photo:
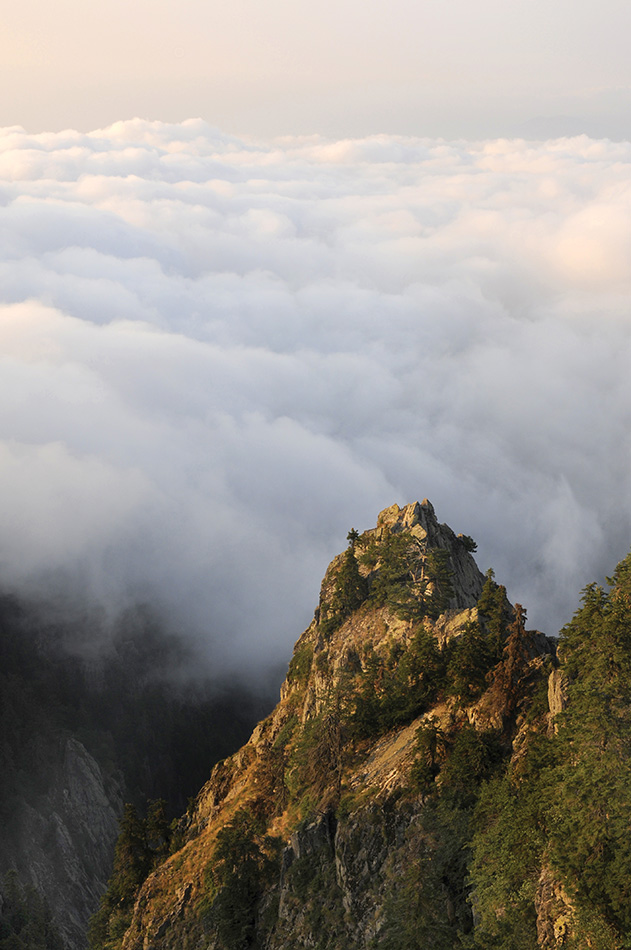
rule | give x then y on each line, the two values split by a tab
351	588
470	659
157	830
132	864
438	573
494	613
510	675
131	858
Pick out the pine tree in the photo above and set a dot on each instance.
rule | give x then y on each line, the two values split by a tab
493	609
157	830
132	859
510	676
470	660
351	588
132	864
438	574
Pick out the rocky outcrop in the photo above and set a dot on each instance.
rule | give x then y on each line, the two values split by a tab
419	520
555	913
557	697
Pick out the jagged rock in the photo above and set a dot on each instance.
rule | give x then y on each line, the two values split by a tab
316	835
364	846
554	912
452	623
557	696
421	522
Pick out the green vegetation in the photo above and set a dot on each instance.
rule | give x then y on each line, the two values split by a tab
350	589
425	903
316	761
469	659
312	885
300	665
565	803
304	768
25	918
431	749
508	845
404	574
494	612
590	844
271	787
244	862
392	690
142	845
411	578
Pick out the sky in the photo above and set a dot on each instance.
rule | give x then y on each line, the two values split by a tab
267	269
218	355
344	68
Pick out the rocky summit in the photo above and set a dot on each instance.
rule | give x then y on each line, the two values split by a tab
348	819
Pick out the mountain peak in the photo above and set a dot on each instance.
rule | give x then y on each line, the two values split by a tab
409	516
431	545
398	689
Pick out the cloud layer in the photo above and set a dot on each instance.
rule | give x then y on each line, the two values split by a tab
217	356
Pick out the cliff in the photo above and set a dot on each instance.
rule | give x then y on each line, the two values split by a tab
348	818
60	842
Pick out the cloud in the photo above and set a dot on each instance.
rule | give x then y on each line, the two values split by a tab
217	356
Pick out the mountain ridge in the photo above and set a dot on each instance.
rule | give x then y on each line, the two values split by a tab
302	836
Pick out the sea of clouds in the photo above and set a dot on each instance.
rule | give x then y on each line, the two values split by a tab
217	356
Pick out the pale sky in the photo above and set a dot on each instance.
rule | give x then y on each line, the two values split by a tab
343	68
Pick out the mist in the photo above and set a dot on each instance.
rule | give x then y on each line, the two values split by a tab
218	355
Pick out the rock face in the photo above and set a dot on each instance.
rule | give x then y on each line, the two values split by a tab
555	913
557	693
419	521
332	811
63	844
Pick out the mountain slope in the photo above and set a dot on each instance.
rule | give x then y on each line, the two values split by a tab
347	820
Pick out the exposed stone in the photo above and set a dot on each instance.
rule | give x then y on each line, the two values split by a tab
453	623
557	696
554	912
316	835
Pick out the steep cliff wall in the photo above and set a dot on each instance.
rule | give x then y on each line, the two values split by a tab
61	841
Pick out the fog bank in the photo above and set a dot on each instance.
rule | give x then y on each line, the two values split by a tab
217	356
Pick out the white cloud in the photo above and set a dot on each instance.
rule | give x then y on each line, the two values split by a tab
216	357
